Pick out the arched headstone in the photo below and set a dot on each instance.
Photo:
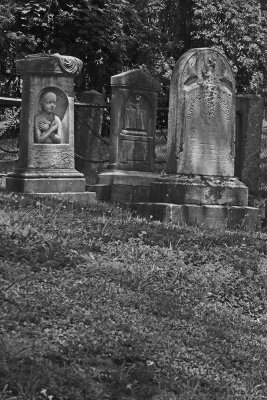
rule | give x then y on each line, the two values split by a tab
201	188
201	129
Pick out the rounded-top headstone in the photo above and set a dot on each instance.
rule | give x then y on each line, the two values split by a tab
201	128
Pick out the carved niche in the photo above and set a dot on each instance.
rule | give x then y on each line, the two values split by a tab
137	118
44	119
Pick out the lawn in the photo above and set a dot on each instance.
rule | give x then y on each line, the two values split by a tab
97	304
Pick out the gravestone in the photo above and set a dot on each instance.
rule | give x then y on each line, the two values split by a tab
46	151
132	138
200	188
201	138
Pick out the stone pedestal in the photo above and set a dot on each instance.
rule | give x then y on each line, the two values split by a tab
206	216
201	188
46	152
132	138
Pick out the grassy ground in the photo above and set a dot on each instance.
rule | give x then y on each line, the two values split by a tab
96	304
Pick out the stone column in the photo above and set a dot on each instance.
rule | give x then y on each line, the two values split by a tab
132	137
46	153
89	128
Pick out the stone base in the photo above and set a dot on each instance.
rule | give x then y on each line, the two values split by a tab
45	181
7	166
123	186
103	192
81	198
207	216
198	189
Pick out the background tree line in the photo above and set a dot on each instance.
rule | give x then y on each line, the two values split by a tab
114	35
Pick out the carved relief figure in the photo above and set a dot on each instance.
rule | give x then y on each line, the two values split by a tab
136	115
48	126
205	145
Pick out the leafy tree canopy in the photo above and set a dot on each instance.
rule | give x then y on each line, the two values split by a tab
108	36
114	35
237	28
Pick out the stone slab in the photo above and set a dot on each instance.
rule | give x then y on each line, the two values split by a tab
82	199
45	181
123	187
136	78
208	216
103	192
184	189
129	178
129	194
44	185
125	194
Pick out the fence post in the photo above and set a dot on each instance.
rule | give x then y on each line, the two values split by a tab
249	110
88	130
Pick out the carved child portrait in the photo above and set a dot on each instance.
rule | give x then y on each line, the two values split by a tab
48	126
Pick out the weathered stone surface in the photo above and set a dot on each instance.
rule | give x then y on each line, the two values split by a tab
88	131
103	192
208	216
133	121
129	194
45	181
49	156
135	78
199	189
49	64
201	127
81	198
249	112
48	160
123	186
133	178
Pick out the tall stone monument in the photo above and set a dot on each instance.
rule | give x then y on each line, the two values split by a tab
200	188
46	151
132	132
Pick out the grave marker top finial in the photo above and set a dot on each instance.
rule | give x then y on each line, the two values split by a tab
49	64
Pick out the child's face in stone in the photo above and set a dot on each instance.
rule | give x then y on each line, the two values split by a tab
49	103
